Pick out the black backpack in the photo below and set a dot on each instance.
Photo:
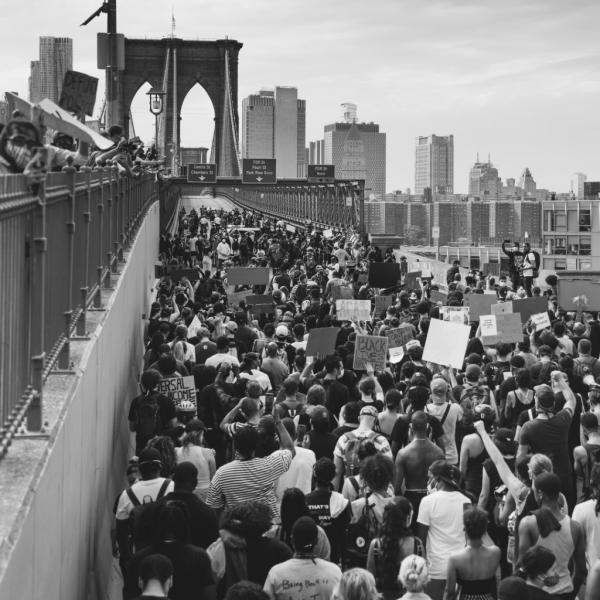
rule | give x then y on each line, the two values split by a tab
138	518
359	536
146	413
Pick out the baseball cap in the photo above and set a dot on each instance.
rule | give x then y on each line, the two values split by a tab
371	411
149	455
505	441
282	331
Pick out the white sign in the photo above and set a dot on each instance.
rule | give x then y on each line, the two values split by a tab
541	321
489	325
396	354
435	233
328	233
194	326
178	389
353	310
290	228
446	343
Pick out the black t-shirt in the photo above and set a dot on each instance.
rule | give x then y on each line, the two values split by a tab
263	554
204	350
322	444
337	395
399	433
166	412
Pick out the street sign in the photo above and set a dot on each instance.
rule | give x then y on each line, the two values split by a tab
259	170
435	233
103	54
202	173
321	173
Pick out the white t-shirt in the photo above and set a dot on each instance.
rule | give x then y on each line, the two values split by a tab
443	512
300	473
261	378
302	579
585	513
449	425
145	491
220	357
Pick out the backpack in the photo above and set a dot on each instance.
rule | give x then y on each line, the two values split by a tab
138	523
351	459
537	261
146	415
359	536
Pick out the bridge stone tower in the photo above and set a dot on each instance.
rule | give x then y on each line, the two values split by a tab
176	65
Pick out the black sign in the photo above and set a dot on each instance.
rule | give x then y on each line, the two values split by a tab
78	93
321	173
202	173
259	170
384	275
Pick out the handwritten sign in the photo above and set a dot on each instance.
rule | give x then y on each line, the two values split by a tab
488	325
399	336
178	389
78	93
541	321
260	304
248	275
456	314
234	298
370	349
321	341
397	354
446	343
508	329
353	310
382	303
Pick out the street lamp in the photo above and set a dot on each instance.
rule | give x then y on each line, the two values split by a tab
155	97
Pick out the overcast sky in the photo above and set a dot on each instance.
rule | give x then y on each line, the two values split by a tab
519	79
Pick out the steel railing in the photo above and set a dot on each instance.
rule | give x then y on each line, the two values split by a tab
59	244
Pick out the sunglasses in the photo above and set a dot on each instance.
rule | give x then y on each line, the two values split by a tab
21	140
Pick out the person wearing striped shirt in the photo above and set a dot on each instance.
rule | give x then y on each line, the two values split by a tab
249	478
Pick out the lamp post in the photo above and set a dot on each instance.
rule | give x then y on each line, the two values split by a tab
155	97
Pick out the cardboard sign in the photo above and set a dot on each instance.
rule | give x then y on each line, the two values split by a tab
410	280
446	343
530	306
260	304
382	303
234	298
353	310
479	304
370	349
399	336
193	327
502	308
384	275
455	314
541	321
341	292
178	389
78	93
321	341
248	275
508	329
438	296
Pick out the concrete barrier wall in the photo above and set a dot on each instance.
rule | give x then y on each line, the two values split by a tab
59	546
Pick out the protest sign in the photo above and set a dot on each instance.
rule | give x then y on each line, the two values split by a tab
382	303
530	306
260	304
248	275
502	308
178	389
479	304
426	274
321	341
78	93
328	233
290	228
438	296
507	326
384	275
341	292
363	278
541	320
370	349
176	274
194	327
446	343
396	354
234	298
411	280
400	335
353	310
455	314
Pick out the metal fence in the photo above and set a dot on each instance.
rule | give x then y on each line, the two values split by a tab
59	244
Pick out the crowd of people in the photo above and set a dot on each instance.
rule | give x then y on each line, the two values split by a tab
296	477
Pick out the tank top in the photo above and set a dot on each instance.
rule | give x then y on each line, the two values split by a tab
561	544
475	473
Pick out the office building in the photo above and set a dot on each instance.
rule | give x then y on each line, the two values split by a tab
484	182
591	190
34	82
316	152
274	126
580	179
527	183
47	73
358	151
434	164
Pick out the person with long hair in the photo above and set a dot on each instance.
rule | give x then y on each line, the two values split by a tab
377	473
193	450
356	584
537	566
395	542
414	577
471	573
166	448
293	506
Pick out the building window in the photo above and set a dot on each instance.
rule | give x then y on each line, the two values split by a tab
560	245
585	265
548	220
585	220
585	246
560	222
573	245
560	265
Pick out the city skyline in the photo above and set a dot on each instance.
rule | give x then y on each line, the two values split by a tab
527	95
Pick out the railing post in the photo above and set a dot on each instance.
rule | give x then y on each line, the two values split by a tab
100	268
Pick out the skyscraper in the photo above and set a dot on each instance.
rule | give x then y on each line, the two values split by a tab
527	183
274	126
34	82
581	179
358	151
56	58
484	181
434	164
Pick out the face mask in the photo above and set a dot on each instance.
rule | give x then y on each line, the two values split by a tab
21	155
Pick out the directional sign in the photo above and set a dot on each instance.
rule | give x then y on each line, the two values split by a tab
321	173
259	170
202	173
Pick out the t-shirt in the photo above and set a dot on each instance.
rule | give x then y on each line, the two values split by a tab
302	579
166	412
442	512
245	480
205	349
221	357
300	473
551	437
322	444
449	426
145	491
379	441
585	513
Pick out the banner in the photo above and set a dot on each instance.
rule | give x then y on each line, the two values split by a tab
446	343
178	389
248	275
321	341
384	275
370	349
507	328
176	273
399	336
353	310
382	303
480	304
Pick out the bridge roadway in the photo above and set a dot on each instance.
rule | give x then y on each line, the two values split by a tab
206	201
